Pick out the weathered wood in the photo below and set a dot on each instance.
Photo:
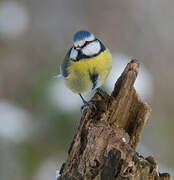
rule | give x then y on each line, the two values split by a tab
104	145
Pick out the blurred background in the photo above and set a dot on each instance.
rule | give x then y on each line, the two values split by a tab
39	116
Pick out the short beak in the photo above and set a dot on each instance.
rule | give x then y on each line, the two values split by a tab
78	48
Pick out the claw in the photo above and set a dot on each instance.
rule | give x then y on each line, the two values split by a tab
88	105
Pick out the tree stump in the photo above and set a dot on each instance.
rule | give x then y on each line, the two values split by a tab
104	145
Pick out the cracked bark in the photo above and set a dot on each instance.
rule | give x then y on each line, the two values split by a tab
104	145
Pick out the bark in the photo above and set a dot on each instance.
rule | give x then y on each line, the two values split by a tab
104	145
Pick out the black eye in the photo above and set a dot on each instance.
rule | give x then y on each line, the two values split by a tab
87	42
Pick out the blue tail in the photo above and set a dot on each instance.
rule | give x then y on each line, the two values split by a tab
57	76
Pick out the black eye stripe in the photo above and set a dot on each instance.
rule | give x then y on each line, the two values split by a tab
82	56
86	43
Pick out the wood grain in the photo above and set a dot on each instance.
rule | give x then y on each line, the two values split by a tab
104	145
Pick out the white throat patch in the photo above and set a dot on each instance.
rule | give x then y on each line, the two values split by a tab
92	48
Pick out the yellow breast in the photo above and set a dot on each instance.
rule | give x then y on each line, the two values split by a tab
78	79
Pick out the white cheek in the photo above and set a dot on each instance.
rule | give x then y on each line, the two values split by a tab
92	49
73	54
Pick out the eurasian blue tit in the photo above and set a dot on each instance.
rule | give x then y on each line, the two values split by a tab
86	65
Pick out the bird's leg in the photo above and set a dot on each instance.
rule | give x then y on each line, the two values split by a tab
87	104
101	92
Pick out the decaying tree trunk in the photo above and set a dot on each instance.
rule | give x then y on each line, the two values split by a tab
104	145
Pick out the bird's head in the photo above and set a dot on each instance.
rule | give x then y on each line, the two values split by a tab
85	44
81	38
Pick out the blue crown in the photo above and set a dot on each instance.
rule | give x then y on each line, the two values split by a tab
80	35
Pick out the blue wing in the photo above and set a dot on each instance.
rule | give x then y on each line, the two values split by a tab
64	66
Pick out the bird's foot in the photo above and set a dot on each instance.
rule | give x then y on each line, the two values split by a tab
101	92
88	105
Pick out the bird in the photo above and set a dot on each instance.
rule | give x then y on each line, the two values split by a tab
86	65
